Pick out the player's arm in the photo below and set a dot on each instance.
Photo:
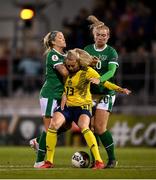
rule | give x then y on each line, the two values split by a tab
63	100
94	77
106	76
62	70
112	86
95	80
110	73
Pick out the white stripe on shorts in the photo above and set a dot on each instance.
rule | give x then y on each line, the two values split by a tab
54	105
44	104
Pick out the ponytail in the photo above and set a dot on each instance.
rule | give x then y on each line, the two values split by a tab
96	24
47	41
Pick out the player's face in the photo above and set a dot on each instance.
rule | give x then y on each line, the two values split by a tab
71	64
59	40
101	37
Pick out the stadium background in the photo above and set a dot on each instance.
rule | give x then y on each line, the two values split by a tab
133	34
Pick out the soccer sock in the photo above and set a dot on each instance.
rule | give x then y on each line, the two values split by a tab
107	141
42	147
51	141
97	140
91	142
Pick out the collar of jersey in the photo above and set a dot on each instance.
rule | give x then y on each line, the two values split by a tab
100	49
59	52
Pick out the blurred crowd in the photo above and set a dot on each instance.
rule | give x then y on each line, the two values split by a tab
133	34
25	71
132	24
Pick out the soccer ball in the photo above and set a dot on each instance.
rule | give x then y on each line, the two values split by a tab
80	159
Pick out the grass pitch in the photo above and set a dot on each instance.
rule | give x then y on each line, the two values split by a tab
134	163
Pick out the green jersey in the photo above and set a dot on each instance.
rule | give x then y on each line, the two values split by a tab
106	56
53	86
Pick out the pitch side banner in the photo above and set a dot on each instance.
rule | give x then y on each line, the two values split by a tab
133	130
127	130
18	130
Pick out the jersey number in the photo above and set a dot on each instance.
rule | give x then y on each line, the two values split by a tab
98	65
70	91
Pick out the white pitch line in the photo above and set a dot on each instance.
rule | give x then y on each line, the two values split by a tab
137	166
37	169
30	168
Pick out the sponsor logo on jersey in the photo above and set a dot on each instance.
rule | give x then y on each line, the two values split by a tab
102	57
54	58
69	83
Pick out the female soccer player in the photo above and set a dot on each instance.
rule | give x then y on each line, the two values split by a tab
104	98
51	92
76	104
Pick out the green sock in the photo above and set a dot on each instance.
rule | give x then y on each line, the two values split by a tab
97	139
107	141
42	148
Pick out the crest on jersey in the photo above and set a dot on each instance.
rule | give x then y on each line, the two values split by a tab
102	57
54	58
69	82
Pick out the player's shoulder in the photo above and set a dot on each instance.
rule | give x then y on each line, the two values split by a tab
90	70
53	52
55	56
92	73
110	48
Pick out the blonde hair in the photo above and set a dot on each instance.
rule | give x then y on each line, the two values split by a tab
81	56
96	24
47	41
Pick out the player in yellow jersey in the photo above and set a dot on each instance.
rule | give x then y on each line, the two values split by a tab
76	104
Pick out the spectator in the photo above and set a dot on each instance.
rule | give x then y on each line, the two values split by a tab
4	131
30	67
4	70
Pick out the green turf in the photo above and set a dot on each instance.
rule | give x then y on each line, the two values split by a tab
17	162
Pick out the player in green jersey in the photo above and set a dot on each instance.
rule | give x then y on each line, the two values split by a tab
51	92
104	98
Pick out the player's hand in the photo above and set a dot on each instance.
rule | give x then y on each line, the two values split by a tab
63	101
95	80
126	91
94	61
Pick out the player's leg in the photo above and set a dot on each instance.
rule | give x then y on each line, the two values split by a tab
92	126
51	138
42	142
103	110
83	123
47	108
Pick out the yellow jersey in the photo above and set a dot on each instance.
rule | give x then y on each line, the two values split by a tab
77	87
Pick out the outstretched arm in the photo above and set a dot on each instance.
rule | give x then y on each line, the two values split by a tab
111	86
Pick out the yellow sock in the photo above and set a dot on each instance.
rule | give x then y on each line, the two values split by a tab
51	140
91	142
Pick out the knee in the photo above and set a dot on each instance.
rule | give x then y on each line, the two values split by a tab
99	129
83	126
55	125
